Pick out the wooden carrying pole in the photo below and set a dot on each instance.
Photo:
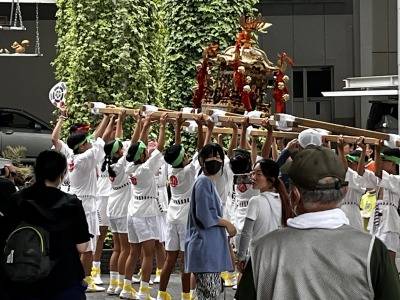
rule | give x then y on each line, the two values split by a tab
341	129
351	139
294	135
113	110
175	114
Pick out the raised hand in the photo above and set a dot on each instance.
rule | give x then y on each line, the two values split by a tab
163	119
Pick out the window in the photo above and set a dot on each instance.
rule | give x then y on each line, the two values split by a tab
318	81
15	120
314	79
297	84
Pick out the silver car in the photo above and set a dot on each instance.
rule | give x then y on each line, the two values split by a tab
20	128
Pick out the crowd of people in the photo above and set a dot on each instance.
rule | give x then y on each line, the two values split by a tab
274	219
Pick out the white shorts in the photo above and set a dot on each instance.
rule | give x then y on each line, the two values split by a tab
162	225
93	224
119	225
175	237
141	229
101	203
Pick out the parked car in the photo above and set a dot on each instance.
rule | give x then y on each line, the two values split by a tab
20	128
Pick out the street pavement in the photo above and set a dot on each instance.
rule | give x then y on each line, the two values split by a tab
174	288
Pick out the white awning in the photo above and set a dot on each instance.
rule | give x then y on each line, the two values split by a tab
360	93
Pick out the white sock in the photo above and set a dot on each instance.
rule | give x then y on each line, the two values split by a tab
192	292
96	264
120	277
144	284
127	282
113	275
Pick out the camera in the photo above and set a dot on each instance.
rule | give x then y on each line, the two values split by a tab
242	179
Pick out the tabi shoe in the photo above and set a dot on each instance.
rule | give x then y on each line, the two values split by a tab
91	286
163	296
128	292
96	276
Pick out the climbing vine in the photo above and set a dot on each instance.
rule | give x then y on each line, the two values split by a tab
191	26
130	52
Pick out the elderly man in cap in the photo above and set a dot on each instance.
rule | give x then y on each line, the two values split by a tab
318	255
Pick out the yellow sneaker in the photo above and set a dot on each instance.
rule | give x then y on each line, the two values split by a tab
120	287
112	288
136	278
163	296
230	279
144	293
128	292
96	275
186	296
91	286
224	275
158	274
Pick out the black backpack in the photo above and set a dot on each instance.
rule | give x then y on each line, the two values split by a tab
26	254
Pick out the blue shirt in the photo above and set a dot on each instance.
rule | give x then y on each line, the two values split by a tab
206	246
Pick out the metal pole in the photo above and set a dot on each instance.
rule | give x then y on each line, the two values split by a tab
398	66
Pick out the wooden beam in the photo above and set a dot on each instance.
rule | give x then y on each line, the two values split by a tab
117	110
175	114
341	129
351	139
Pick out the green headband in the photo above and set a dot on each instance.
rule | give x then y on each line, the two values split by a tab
394	159
351	158
115	147
90	137
179	159
140	150
87	139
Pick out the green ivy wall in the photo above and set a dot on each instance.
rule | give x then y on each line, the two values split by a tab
129	52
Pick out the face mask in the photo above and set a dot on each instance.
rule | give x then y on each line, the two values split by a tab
212	166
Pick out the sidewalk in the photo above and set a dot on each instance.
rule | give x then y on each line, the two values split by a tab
174	288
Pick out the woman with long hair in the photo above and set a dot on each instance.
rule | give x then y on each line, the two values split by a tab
267	211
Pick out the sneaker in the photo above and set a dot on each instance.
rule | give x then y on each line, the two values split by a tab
230	280
96	275
128	292
91	286
136	278
158	274
234	287
144	294
119	288
112	288
193	295
163	296
186	296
